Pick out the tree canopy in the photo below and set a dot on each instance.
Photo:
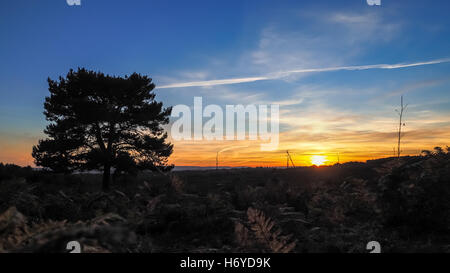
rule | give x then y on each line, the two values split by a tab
97	121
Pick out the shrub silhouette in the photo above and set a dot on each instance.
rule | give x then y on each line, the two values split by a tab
415	195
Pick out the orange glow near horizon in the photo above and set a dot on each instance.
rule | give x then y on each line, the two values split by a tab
305	149
203	153
277	158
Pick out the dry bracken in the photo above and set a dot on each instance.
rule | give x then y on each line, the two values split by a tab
265	232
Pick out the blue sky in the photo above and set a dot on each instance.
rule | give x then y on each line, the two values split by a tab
201	41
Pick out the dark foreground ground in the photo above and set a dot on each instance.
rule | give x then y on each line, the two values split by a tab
402	203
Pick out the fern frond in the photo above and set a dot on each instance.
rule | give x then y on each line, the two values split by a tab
265	233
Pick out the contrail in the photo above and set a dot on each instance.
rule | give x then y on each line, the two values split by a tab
311	70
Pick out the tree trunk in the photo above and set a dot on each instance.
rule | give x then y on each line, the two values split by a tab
106	176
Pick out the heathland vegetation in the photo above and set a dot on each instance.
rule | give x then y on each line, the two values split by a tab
400	202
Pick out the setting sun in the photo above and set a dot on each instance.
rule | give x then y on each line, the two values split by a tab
318	160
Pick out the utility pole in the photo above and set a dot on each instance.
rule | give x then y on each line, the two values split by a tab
289	158
401	124
217	161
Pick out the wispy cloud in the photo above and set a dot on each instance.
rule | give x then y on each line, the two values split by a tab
232	148
308	70
424	84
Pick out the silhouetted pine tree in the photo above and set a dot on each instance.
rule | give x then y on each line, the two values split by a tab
99	121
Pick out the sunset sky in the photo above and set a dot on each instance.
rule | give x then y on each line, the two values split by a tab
336	68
